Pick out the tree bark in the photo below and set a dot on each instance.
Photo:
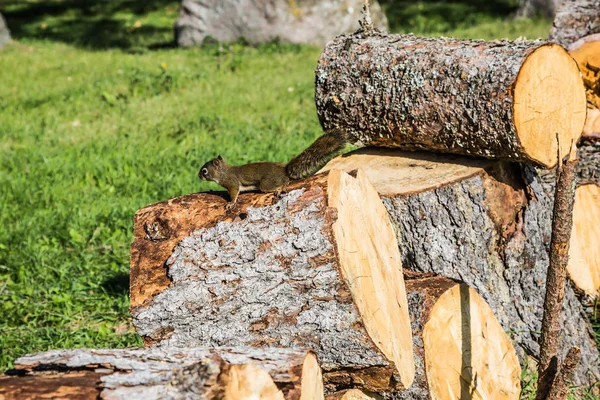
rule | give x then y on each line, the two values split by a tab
485	223
165	373
504	100
318	268
562	225
560	386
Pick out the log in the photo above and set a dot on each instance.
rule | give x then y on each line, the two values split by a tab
577	28
499	99
485	223
159	373
584	253
317	268
460	348
353	394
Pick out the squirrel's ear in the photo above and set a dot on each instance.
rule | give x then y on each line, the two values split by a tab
220	158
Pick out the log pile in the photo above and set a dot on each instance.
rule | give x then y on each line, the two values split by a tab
577	27
390	274
482	222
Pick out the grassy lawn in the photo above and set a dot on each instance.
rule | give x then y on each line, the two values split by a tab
100	115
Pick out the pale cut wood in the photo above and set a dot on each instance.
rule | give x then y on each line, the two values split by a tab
584	253
591	129
353	394
166	373
461	349
501	99
318	267
577	28
487	225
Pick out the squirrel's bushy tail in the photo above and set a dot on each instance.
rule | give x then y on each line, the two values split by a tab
317	154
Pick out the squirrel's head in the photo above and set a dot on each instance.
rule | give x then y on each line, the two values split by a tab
212	169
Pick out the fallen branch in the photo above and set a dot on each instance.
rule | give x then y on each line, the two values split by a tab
560	386
562	222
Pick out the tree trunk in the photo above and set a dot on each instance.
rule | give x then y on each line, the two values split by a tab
318	268
577	28
165	373
485	223
504	100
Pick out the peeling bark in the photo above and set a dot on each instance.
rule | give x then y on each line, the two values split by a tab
283	272
501	99
163	373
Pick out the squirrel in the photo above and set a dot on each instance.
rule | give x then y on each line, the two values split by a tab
271	177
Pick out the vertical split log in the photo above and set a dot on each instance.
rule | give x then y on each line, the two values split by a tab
484	223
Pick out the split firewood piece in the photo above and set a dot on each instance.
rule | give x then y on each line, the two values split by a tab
584	253
577	28
353	394
318	268
159	373
461	349
486	223
498	99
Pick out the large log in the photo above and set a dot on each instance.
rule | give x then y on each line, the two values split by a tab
577	28
165	373
485	223
500	99
317	268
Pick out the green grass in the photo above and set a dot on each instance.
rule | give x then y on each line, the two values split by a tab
100	115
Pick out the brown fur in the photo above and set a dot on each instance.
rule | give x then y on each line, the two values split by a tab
272	177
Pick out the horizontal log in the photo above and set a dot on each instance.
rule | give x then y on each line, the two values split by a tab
484	223
500	99
160	373
317	268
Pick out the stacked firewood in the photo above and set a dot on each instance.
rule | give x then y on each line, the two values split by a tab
411	272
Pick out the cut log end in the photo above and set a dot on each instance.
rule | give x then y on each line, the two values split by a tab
549	102
312	379
467	353
584	252
372	267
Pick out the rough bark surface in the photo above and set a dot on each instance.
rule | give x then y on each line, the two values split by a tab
268	275
450	232
562	224
263	21
560	386
152	373
575	19
490	229
4	32
449	95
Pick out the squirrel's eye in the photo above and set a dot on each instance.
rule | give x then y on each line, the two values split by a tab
204	171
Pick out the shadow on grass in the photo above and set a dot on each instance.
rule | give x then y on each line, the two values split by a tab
427	16
100	24
117	284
